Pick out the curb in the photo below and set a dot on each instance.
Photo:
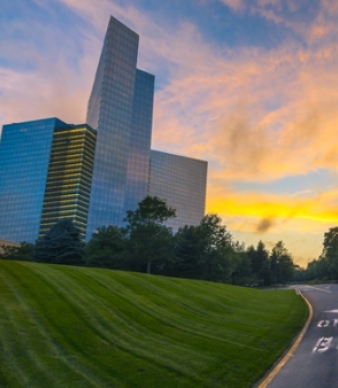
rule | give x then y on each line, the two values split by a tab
266	380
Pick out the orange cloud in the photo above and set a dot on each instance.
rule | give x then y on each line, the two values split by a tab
300	220
304	240
233	118
319	207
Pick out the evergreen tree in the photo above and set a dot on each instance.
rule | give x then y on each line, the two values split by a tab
281	263
60	245
260	263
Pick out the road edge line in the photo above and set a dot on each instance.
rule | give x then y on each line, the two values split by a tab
266	380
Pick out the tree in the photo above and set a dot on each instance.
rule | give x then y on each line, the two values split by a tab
281	263
8	252
243	272
60	245
330	251
189	246
261	258
205	251
150	241
260	263
318	269
22	252
299	274
107	248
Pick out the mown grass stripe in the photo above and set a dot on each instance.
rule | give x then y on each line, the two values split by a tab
120	329
77	301
11	372
117	333
179	318
57	353
28	343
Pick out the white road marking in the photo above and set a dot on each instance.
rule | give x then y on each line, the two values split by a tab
331	311
323	323
317	344
322	345
335	322
320	289
325	345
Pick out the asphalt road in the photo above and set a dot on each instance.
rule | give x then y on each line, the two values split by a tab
315	362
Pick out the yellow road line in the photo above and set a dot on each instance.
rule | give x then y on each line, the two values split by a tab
266	381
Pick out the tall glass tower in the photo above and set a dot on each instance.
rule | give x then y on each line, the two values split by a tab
140	141
69	177
25	154
120	108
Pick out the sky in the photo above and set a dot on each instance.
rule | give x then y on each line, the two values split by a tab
251	86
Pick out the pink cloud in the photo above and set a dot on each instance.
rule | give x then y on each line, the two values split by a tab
233	119
248	111
237	5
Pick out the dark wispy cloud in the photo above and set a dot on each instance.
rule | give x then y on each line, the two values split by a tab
265	224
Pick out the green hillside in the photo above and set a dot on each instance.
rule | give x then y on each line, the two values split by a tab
77	327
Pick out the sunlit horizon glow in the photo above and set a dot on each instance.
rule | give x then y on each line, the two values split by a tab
249	85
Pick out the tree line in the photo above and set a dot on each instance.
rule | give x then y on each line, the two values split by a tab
145	244
325	267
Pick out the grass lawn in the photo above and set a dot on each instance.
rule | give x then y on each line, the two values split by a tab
78	327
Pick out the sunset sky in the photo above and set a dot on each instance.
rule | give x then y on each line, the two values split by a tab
251	86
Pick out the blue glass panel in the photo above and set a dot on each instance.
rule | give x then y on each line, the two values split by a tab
181	182
110	112
140	139
24	153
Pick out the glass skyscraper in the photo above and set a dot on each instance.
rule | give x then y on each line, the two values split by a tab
69	177
95	172
140	140
33	184
120	108
181	182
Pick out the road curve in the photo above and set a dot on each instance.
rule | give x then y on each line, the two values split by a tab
314	364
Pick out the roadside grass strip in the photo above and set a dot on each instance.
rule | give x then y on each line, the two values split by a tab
64	326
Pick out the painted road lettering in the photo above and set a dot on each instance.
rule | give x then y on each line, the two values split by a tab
322	345
326	323
323	323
